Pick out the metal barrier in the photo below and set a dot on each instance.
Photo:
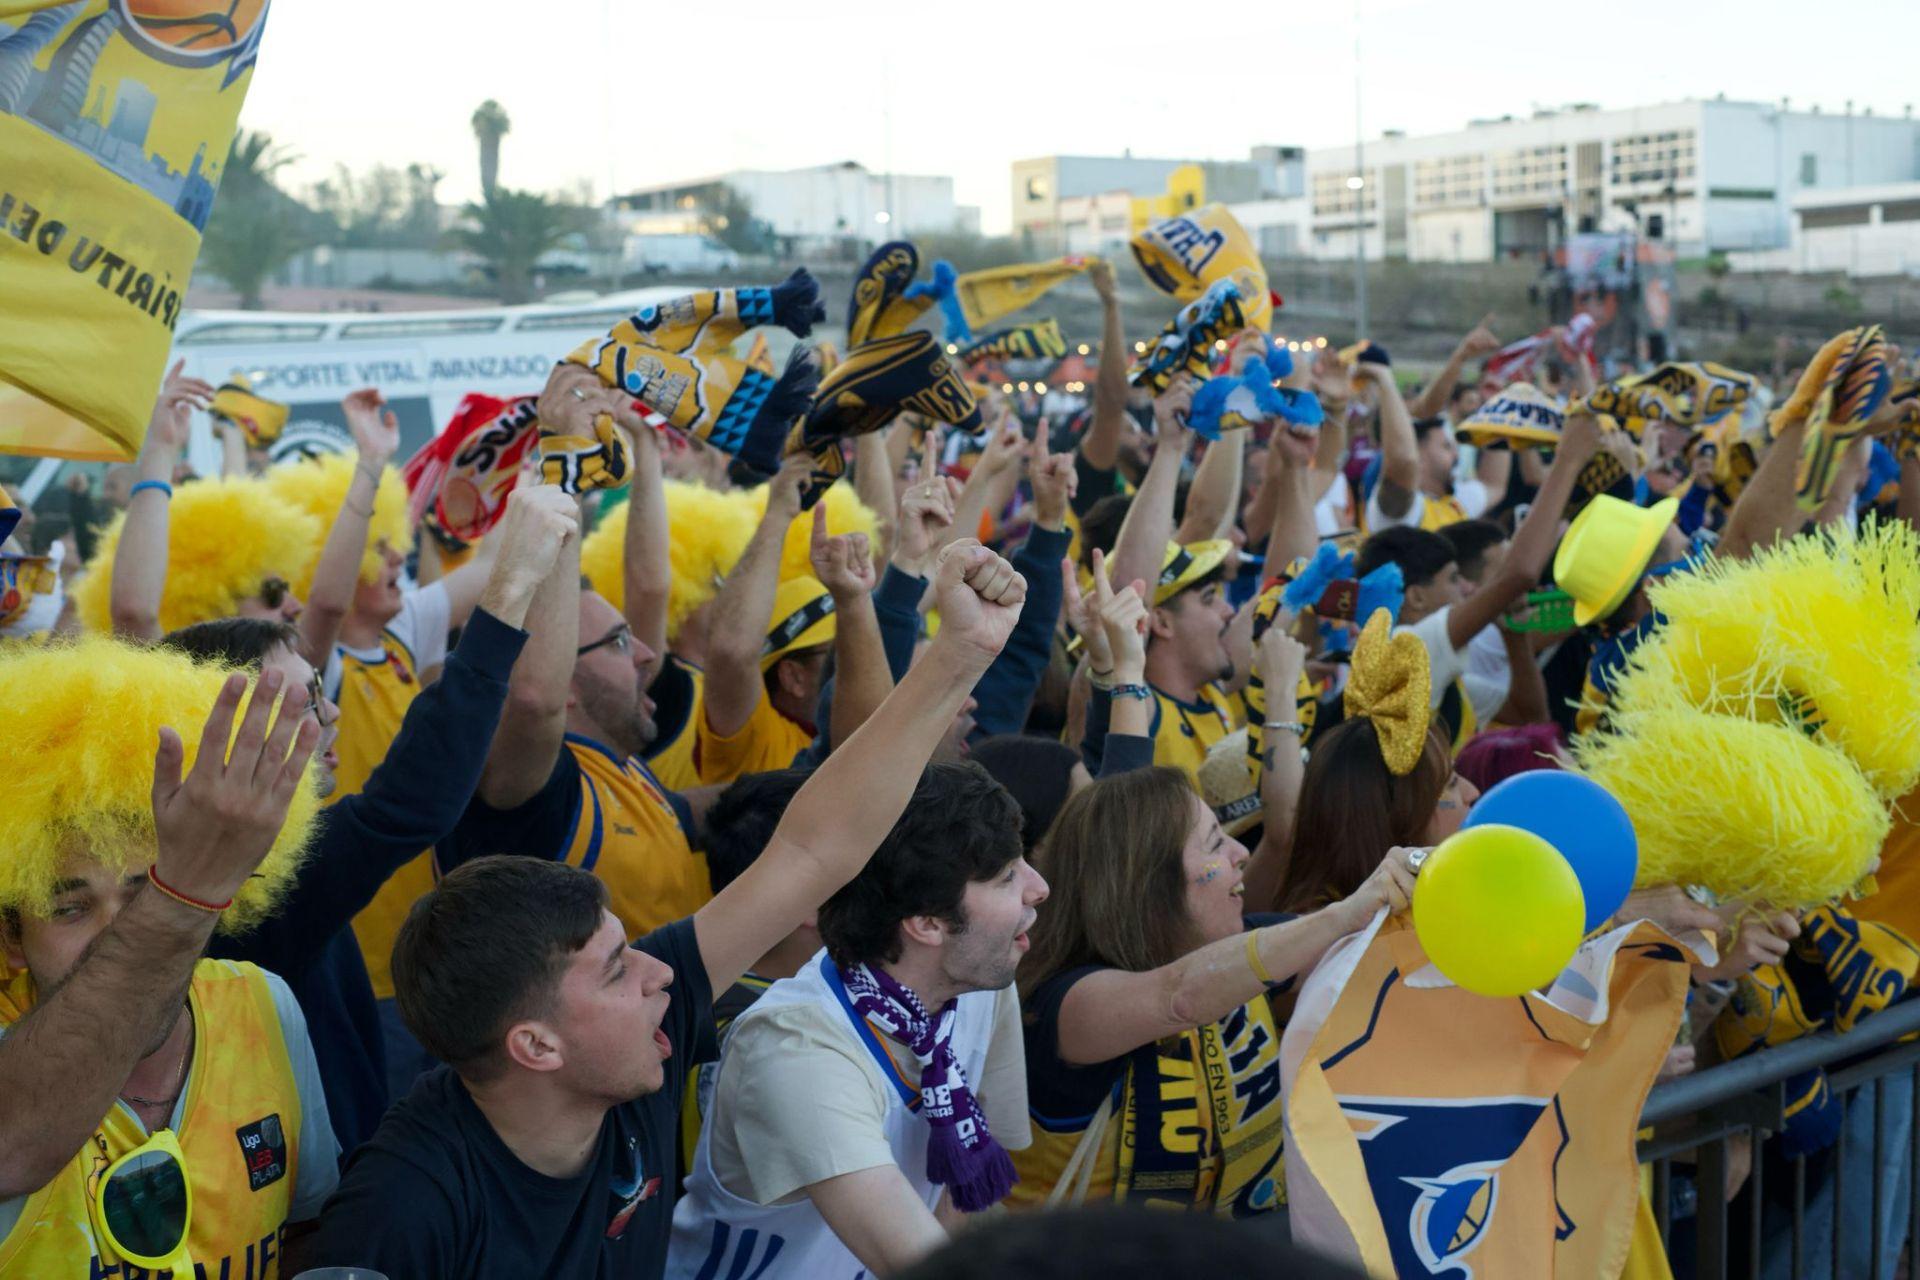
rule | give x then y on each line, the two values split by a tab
1695	1117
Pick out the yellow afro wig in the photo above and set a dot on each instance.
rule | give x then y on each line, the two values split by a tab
1820	633
319	485
1748	810
224	538
845	514
709	532
83	720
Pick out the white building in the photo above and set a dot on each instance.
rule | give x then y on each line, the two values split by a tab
820	210
1083	204
1862	231
1705	175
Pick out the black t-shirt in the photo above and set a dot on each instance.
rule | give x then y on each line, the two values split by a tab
437	1195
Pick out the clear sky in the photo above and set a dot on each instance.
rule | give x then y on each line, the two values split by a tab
623	93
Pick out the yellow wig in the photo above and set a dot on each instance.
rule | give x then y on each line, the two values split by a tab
845	514
1820	632
224	538
1755	811
319	485
709	532
83	720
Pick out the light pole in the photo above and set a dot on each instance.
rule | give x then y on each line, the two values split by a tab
1357	184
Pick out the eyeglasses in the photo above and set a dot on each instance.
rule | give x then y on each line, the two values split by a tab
273	591
621	638
142	1203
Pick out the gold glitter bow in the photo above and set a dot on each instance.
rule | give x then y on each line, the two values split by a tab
1391	686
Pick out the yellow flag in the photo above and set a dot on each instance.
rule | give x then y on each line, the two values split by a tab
987	295
1185	254
115	121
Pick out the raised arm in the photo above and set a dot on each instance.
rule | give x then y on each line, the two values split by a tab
533	725
850	803
742	611
990	485
1005	693
1535	539
1144	534
376	434
1399	451
1101	447
873	481
646	573
1112	1012
861	680
1214	497
140	562
1433	397
62	1065
1281	659
233	450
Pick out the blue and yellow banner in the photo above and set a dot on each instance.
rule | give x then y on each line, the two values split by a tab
115	120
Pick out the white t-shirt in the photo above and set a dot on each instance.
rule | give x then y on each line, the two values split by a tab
425	616
1330	513
802	1095
1448	664
1471	495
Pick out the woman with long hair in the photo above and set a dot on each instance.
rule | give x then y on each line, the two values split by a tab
1153	1069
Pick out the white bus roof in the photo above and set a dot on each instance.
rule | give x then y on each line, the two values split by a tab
210	328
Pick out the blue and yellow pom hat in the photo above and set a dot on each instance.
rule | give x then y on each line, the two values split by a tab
1183	566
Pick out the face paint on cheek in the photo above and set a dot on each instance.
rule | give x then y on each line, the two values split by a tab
1209	873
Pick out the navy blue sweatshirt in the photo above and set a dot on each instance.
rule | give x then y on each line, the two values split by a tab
410	802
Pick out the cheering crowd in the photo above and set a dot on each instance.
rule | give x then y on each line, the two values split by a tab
716	819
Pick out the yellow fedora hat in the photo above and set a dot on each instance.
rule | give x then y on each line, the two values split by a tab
802	618
1606	550
1182	566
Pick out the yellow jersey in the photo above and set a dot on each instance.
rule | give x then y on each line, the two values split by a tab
1183	732
768	740
239	1129
679	694
637	837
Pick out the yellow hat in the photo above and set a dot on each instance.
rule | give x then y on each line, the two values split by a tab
1228	786
802	618
1606	550
1182	566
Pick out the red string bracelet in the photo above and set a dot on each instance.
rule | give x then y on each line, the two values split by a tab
153	878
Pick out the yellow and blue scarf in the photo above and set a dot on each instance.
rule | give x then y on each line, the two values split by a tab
676	359
1186	344
981	297
1189	253
1041	340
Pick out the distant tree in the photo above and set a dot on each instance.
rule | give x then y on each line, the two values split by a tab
381	207
255	227
734	224
510	230
490	124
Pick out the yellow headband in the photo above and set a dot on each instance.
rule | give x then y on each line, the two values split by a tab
1391	686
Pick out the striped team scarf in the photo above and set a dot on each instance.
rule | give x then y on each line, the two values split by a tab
1186	344
962	1154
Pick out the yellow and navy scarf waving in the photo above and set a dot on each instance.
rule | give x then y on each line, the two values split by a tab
1186	344
261	419
1841	969
1189	253
1041	340
1856	386
886	297
981	297
676	359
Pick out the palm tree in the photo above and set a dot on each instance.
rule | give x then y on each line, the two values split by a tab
255	226
509	231
490	124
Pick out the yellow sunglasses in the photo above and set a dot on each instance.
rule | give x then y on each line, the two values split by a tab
143	1203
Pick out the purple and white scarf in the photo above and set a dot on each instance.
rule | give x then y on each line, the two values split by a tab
961	1153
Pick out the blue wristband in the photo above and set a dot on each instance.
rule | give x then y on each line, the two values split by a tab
161	485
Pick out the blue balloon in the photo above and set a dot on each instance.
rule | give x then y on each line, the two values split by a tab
1581	819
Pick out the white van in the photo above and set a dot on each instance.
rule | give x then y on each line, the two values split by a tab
422	361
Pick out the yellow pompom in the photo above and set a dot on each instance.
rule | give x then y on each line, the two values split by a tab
83	720
1818	633
708	532
319	485
224	538
845	514
1755	811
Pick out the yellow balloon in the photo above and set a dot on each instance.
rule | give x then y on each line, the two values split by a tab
1498	910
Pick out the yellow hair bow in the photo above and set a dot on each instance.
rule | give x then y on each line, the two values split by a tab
1391	686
